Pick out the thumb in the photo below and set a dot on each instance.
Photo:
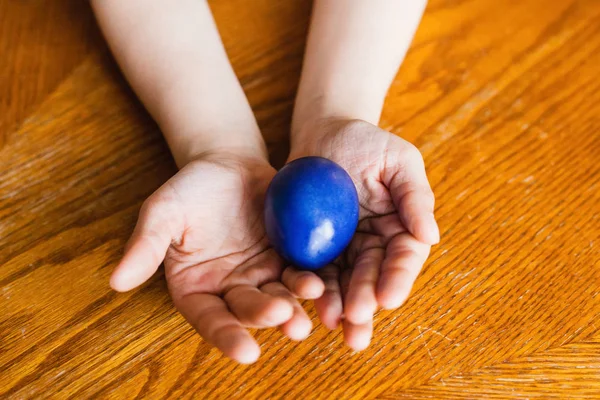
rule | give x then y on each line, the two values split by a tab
412	195
145	250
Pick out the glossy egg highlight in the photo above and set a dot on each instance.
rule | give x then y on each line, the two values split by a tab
311	212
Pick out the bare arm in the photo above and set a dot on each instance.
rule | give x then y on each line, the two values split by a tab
172	56
353	53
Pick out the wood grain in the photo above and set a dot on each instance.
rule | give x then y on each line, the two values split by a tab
41	42
503	99
568	371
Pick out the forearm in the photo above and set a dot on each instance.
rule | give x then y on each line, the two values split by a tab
173	57
353	52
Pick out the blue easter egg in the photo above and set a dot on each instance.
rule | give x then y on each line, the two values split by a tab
311	212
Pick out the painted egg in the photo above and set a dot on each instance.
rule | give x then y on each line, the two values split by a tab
311	212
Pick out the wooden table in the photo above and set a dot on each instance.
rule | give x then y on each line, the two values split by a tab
501	96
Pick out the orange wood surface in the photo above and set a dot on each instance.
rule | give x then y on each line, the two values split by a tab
501	96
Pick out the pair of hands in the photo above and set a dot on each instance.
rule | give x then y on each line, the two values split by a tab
206	224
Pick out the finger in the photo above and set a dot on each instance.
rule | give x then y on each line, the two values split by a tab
358	336
329	306
299	326
212	319
257	309
145	250
414	199
303	284
361	302
345	276
403	261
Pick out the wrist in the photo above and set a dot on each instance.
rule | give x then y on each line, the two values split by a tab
187	145
184	157
325	136
219	119
311	113
231	154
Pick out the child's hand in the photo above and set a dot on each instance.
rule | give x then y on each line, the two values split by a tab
207	224
396	227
